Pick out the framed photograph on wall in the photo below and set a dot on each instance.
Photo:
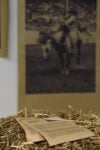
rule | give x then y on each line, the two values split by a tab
59	57
3	27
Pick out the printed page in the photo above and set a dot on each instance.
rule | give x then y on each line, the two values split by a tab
31	134
58	132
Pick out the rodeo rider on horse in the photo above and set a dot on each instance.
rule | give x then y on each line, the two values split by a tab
58	37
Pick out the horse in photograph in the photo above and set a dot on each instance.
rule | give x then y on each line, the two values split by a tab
64	42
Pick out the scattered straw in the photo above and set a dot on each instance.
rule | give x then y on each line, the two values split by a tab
12	136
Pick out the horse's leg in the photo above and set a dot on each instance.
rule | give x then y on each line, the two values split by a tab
58	48
69	54
67	62
61	58
45	52
79	46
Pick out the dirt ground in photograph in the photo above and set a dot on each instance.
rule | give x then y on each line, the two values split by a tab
45	76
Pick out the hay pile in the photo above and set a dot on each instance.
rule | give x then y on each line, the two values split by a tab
12	135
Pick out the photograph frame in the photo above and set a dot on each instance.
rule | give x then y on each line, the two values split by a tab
4	27
54	101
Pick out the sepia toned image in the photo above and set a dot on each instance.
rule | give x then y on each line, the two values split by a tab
58	54
3	27
60	45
